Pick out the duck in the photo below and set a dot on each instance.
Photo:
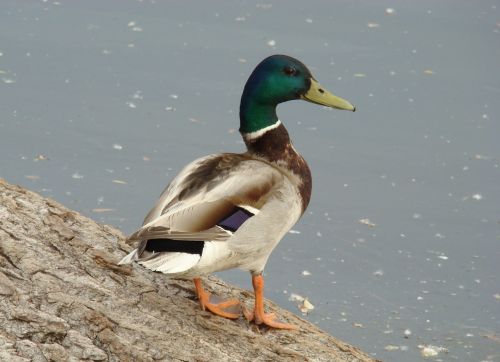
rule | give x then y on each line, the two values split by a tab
230	210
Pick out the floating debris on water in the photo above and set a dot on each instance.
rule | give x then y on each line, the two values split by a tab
378	273
32	177
367	222
131	105
305	307
431	351
121	182
295	298
293	231
428	71
359	75
390	11
40	157
306	273
407	333
77	176
102	209
391	347
477	197
117	146
133	26
138	95
373	25
271	43
358	325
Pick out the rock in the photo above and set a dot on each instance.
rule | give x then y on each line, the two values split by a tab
63	298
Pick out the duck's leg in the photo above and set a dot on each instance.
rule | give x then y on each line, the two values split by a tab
258	315
229	308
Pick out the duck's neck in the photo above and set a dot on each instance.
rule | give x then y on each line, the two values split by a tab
255	116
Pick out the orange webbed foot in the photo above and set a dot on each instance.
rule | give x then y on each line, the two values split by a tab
258	316
227	308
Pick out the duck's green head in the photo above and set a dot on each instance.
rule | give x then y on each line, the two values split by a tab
277	79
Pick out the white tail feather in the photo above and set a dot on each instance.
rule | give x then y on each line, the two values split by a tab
170	263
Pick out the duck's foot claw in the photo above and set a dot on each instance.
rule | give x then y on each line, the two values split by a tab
267	319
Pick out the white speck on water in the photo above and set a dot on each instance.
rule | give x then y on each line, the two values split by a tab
170	109
367	222
306	273
496	296
391	347
373	25
439	236
407	333
443	257
240	18
271	43
174	96
484	116
131	105
117	146
309	20
138	95
378	273
417	216
294	231
477	197
318	234
390	11
77	176
8	80
295	297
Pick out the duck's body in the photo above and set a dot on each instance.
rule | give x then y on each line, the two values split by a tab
229	210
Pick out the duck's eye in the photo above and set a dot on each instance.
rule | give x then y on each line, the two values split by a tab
290	71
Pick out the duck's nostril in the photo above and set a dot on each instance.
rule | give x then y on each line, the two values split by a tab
321	90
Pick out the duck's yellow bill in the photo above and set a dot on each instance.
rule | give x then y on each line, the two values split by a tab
319	95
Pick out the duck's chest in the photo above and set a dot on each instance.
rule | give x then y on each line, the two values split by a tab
276	148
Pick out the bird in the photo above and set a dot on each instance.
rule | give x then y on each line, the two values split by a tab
230	210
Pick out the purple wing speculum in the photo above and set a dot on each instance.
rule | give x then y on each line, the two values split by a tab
235	219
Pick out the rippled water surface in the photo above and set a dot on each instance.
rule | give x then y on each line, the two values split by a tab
102	103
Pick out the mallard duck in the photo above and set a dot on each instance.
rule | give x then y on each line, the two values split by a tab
230	210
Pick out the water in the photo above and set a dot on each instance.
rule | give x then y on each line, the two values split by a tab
103	103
